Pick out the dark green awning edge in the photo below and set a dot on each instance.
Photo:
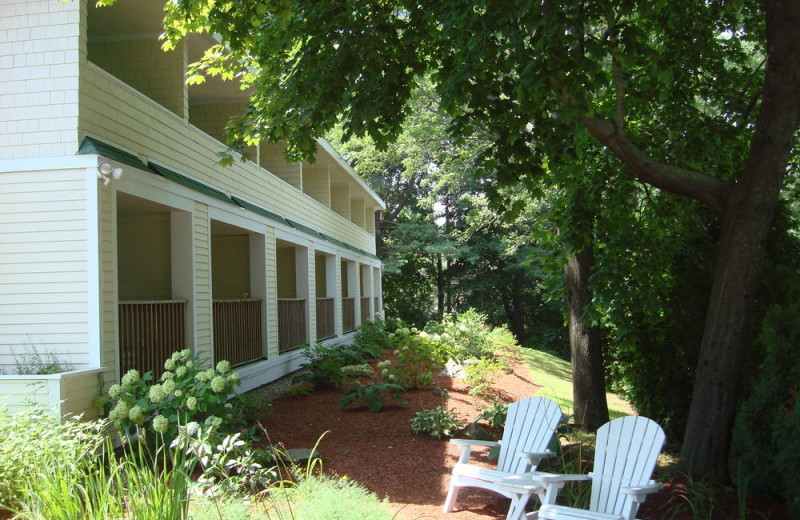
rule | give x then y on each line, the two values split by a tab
305	229
259	210
190	183
91	146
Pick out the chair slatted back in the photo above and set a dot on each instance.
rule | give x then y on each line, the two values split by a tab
530	424
626	454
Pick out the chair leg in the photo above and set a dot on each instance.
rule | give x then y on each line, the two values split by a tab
450	501
516	511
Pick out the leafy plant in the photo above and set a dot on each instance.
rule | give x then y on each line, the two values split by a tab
417	356
34	362
437	422
480	376
495	414
330	498
372	395
324	366
372	338
31	437
358	371
187	393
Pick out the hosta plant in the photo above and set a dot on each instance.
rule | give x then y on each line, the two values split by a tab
437	422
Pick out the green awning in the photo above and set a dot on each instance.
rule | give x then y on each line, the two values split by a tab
91	146
190	183
305	229
259	210
333	240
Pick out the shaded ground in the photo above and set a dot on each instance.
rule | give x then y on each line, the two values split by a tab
379	451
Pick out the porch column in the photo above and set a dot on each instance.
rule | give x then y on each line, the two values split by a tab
258	281
204	333
271	297
311	283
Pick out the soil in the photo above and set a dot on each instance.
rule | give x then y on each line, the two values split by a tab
412	471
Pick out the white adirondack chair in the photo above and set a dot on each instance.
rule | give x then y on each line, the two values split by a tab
530	424
625	457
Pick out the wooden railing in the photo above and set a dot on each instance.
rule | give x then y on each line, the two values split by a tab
149	332
291	323
348	314
325	318
237	331
365	314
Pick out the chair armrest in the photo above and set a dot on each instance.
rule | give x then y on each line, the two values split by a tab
465	445
545	485
639	493
533	458
552	478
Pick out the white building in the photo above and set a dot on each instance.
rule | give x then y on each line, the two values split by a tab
122	239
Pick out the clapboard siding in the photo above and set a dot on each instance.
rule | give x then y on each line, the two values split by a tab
43	264
111	109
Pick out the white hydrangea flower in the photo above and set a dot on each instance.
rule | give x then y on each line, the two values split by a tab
136	415
115	391
180	372
156	393
131	377
192	428
224	366
160	423
191	402
169	364
168	386
217	384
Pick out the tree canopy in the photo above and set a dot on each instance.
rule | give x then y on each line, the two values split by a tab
698	98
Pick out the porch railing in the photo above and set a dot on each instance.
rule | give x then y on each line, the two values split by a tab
149	332
325	323
291	323
237	331
348	314
365	315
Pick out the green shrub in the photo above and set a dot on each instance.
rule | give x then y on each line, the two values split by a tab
30	437
329	498
324	366
480	376
372	339
186	393
417	356
372	395
437	422
470	335
768	423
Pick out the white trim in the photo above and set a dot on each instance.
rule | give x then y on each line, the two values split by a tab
94	270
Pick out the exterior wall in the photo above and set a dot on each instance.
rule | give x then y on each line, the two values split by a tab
44	261
357	212
144	259
316	184
321	278
143	65
230	261
129	120
340	200
40	51
287	271
272	159
212	119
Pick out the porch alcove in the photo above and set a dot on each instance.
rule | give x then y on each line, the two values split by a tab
238	293
154	283
325	277
365	287
292	263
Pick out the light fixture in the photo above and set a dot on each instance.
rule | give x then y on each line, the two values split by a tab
106	172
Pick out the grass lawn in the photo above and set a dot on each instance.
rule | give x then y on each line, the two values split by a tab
555	376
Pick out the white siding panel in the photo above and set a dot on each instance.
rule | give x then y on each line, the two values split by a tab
43	262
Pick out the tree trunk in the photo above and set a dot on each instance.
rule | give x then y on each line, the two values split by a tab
746	221
588	382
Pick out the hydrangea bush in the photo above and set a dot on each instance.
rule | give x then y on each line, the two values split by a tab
187	392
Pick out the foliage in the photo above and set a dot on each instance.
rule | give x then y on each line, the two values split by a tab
358	371
324	366
372	394
469	335
29	437
34	362
371	338
768	424
437	422
330	498
417	356
495	414
480	376
187	393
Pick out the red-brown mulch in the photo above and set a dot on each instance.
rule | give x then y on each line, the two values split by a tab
379	451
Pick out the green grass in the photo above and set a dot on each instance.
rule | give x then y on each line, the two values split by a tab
554	375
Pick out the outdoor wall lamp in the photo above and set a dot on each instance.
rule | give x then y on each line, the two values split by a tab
107	173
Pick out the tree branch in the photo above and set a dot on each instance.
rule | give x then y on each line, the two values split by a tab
679	181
